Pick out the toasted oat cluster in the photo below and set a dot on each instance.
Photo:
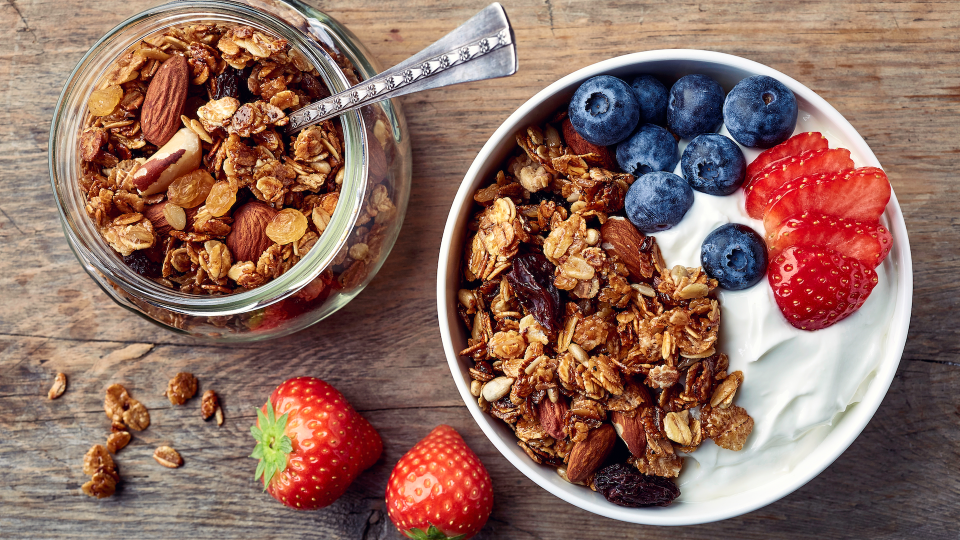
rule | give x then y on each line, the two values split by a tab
581	335
188	173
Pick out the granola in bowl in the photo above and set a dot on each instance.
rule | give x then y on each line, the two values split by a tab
581	335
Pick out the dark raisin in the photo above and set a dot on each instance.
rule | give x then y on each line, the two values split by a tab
625	486
140	262
546	195
489	290
226	84
314	88
532	280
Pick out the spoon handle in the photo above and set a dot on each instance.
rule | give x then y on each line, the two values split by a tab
481	48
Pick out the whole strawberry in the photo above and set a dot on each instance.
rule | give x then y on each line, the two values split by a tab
816	287
311	454
439	489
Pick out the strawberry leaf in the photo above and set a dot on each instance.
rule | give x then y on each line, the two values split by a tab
432	533
273	445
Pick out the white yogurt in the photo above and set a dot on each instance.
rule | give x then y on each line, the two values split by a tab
796	384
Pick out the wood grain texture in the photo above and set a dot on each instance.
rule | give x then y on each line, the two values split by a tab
890	67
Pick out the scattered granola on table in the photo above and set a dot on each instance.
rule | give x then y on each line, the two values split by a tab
181	387
58	387
99	466
581	335
190	177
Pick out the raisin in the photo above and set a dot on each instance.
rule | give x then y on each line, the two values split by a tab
287	226
314	88
141	264
532	280
226	84
625	486
538	197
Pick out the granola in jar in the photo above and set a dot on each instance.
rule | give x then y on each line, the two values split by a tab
189	175
600	356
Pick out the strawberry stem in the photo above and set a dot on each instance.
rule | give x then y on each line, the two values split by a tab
273	444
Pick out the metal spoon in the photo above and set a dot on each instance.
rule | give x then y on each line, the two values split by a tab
481	48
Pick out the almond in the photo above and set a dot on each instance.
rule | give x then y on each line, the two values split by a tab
581	147
160	116
630	431
248	238
622	239
588	454
157	214
552	415
178	157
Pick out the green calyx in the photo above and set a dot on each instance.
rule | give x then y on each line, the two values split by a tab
432	533
272	445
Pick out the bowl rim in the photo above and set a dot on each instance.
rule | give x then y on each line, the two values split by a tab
857	415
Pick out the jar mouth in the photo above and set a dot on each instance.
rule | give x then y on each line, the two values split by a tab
87	243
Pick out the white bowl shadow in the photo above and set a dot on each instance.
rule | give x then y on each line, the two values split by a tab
669	65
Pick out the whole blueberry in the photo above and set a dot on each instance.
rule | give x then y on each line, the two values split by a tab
713	164
735	256
695	106
651	148
604	110
657	201
652	96
760	112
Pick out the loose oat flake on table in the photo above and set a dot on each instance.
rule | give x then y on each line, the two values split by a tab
189	176
581	335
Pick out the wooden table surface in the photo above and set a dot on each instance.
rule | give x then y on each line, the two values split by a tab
890	67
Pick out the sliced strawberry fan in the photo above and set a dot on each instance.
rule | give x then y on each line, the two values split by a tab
868	242
817	287
859	195
798	144
781	172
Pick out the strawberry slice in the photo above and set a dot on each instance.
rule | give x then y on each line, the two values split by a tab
780	172
817	287
860	195
868	242
798	144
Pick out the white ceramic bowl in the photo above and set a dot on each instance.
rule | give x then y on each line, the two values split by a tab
669	65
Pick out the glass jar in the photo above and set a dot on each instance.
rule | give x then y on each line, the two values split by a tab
361	232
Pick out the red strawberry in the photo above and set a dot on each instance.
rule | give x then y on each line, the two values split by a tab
316	448
860	195
780	172
439	489
798	144
867	242
817	287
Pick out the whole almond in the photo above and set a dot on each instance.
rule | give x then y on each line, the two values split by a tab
157	214
624	240
552	415
580	146
588	454
630	431
160	115
248	238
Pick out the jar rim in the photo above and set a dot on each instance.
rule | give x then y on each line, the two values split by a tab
88	245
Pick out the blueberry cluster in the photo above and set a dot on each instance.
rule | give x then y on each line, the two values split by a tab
646	121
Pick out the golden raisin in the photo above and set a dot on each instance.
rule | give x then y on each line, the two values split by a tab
287	226
175	216
191	189
103	102
221	198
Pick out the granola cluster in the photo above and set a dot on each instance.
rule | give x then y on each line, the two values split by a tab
577	325
255	200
